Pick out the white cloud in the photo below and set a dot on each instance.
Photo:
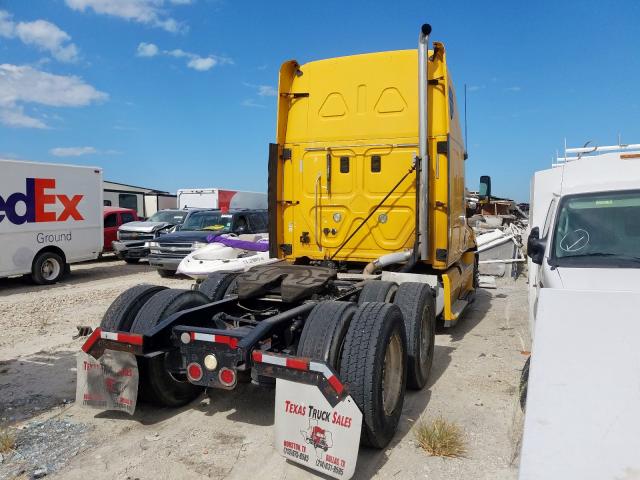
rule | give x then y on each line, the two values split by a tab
201	64
194	61
72	151
178	53
262	90
14	116
22	84
475	88
7	27
513	89
148	12
41	34
79	151
251	104
147	50
266	91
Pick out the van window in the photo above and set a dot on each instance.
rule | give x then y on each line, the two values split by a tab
127	217
128	200
106	203
111	220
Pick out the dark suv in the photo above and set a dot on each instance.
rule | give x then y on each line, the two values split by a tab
197	231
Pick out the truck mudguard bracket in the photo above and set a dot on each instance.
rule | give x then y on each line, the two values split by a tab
99	341
301	370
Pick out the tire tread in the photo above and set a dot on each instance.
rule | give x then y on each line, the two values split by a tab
359	362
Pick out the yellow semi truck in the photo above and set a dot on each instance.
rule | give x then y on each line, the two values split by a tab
367	215
369	162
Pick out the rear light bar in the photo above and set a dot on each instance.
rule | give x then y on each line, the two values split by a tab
100	340
301	369
187	337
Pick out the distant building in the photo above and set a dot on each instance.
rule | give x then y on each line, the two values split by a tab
145	201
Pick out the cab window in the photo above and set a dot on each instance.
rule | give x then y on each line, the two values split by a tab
111	220
127	217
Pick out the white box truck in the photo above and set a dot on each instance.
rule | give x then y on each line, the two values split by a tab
50	217
220	198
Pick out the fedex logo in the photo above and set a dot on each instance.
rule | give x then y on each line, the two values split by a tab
36	200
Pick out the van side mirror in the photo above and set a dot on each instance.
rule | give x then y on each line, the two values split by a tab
484	193
536	246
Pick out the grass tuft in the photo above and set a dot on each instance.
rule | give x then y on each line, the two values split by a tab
7	440
441	438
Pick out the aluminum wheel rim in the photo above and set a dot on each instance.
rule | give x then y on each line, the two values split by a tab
50	269
392	374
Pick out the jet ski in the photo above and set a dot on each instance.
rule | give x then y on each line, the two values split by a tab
227	253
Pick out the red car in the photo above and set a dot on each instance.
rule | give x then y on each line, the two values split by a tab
113	218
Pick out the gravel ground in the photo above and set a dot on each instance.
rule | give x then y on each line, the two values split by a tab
230	434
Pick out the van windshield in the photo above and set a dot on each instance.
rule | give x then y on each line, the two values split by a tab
598	230
214	221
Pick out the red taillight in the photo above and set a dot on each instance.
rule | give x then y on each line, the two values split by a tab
227	377
194	372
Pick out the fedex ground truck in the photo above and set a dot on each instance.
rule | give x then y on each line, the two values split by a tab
50	217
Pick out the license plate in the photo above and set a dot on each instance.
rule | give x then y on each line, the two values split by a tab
311	432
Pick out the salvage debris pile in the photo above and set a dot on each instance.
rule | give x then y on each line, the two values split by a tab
500	225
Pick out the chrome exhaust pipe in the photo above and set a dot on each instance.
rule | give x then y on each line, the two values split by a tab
423	52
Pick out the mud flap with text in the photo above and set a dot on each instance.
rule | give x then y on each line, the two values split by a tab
311	432
109	383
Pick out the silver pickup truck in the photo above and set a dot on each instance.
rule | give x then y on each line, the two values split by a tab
132	236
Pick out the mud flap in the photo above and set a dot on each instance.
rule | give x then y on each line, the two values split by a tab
109	383
311	432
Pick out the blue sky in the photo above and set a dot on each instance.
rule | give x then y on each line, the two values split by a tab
180	93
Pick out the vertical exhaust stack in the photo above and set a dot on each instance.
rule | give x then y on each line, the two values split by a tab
423	52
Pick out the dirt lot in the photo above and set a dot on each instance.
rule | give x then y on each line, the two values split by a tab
229	435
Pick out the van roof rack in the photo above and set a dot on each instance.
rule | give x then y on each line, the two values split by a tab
576	153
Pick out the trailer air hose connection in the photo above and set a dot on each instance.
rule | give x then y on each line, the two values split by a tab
411	170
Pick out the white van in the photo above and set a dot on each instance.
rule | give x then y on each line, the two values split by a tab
50	217
580	383
585	223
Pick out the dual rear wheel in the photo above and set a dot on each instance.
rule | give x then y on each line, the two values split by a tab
139	310
378	347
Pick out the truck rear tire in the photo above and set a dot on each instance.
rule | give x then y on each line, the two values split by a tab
377	291
374	366
157	385
216	285
132	261
166	273
47	268
418	309
122	312
324	332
